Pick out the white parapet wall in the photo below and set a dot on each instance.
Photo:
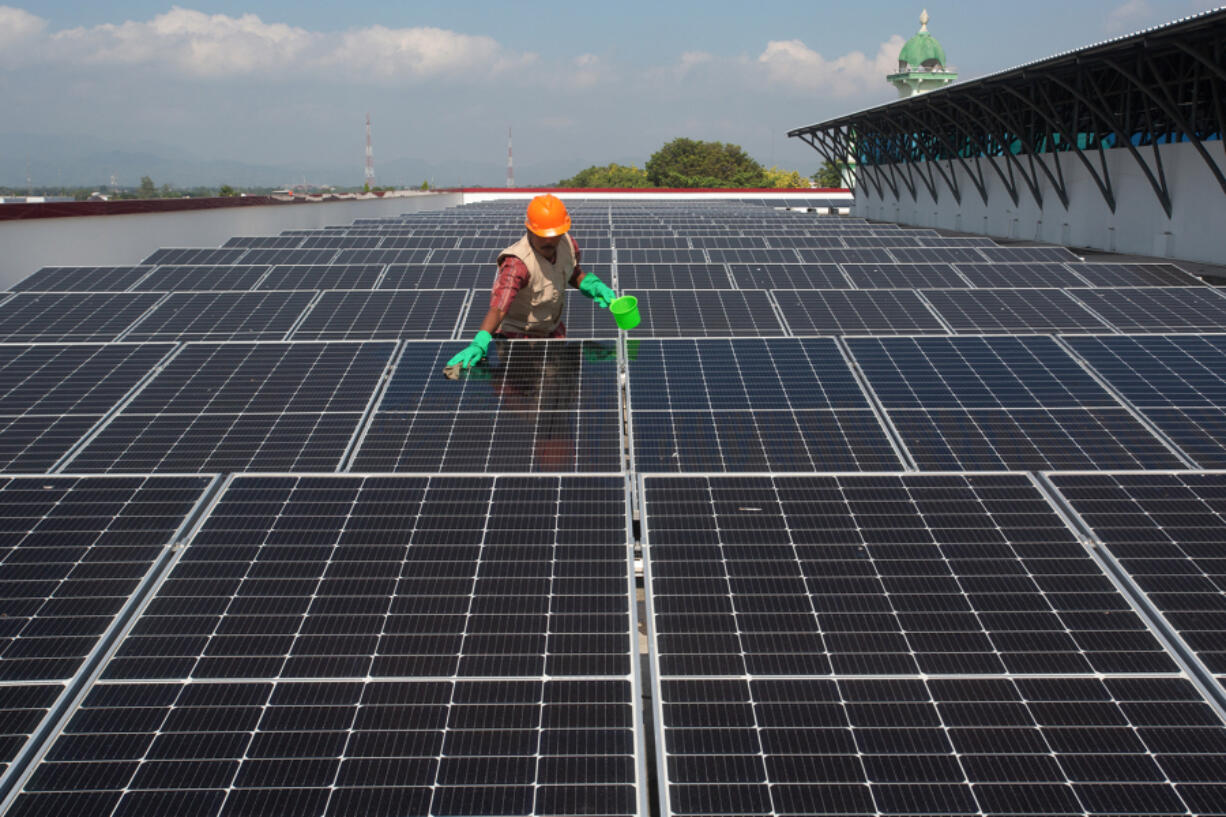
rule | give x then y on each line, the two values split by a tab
27	245
1139	225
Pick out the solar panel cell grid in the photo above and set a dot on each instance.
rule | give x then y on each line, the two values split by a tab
1164	529
383	315
1011	310
632	277
317	276
188	316
856	312
82	279
1134	275
196	256
892	276
1019	276
1171	309
787	276
204	277
71	316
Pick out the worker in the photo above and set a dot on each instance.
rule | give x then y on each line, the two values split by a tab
532	276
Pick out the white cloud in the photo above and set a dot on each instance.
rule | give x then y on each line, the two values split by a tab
792	63
18	27
419	53
1128	17
195	44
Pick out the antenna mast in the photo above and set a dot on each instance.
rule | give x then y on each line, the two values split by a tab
510	166
370	158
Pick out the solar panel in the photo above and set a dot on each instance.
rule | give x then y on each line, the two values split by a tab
439	276
82	279
750	405
970	403
753	256
1174	309
1134	275
662	242
319	276
75	550
703	313
403	256
53	395
383	315
851	312
337	242
673	276
1016	254
482	256
268	241
919	644
1177	381
187	316
633	256
1011	310
203	277
195	255
727	242
536	406
853	256
258	256
22	708
243	406
448	652
1165	530
787	276
1018	276
892	276
71	316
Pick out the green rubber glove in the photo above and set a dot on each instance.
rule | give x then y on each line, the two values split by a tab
473	352
594	288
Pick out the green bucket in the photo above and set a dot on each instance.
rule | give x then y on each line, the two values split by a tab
626	311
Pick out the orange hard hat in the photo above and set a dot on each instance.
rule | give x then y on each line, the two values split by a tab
547	216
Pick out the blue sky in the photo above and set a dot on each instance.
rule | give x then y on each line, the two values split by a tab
289	83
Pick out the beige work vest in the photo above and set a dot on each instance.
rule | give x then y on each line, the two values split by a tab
537	308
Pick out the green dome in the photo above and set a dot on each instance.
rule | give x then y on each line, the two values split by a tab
922	49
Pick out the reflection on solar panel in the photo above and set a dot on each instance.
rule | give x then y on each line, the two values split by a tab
891	276
243	406
1134	275
793	617
1008	276
538	406
71	316
383	315
1172	309
197	277
972	403
1166	531
222	316
22	709
787	276
1011	310
82	279
856	312
478	657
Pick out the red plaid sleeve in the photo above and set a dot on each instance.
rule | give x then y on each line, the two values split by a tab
512	276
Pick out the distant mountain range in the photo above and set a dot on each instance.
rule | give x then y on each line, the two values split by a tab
82	161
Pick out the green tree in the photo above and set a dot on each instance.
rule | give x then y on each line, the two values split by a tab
227	191
790	179
611	175
425	185
147	188
829	174
693	163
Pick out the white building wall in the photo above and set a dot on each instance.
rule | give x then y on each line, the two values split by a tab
27	245
1196	230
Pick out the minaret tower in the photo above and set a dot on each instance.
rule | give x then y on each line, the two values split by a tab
921	64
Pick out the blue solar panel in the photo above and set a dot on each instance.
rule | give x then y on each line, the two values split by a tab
1161	309
1011	310
856	312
